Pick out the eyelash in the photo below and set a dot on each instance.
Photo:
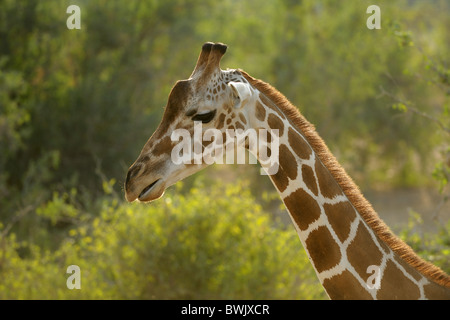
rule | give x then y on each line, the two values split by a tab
205	117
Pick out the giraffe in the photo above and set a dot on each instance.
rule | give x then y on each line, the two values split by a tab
354	254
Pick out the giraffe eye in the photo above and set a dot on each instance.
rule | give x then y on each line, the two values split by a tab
204	117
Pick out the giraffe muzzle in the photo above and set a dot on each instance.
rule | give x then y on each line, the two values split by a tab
147	191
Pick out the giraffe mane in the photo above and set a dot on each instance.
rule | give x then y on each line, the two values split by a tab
347	185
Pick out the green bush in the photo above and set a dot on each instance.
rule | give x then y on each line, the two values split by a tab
433	247
214	244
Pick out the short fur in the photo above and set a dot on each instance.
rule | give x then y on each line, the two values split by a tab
348	186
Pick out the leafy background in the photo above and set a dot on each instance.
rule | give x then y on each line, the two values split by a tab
76	107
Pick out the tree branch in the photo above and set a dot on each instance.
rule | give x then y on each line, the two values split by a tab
415	110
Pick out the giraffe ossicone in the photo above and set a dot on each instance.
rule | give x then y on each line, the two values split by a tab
353	252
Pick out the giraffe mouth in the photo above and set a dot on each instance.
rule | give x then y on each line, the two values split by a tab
147	190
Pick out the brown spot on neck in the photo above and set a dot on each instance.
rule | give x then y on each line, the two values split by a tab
303	208
309	179
276	123
242	118
287	161
260	111
280	180
435	292
340	216
352	288
363	252
299	145
392	280
323	250
328	186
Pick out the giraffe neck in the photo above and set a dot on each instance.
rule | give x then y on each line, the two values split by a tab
354	254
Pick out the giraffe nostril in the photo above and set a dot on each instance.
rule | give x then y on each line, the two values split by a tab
132	172
128	177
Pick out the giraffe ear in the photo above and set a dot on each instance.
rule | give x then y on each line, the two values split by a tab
241	92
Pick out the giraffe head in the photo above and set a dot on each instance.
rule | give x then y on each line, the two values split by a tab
216	98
